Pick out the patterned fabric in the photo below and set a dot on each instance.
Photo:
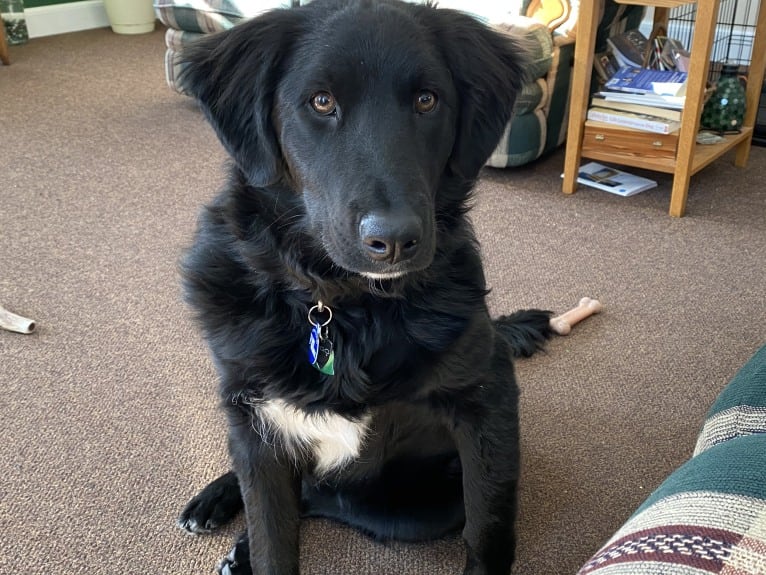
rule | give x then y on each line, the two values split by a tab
679	544
735	422
741	407
521	142
533	96
173	70
189	20
206	16
559	80
537	41
709	516
175	40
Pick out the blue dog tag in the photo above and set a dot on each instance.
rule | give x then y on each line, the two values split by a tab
314	344
321	354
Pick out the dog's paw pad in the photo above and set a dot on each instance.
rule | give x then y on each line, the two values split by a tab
228	563
215	505
235	563
192	526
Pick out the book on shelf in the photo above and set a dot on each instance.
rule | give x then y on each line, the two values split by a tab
603	125
605	65
642	122
599	101
612	180
673	55
646	81
630	48
670	102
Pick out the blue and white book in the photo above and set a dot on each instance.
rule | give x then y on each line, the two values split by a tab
670	102
646	81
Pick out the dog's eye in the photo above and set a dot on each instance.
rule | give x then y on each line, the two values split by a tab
425	102
323	103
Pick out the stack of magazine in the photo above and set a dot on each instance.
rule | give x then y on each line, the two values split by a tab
613	180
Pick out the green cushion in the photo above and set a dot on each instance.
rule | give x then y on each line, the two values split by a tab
530	97
521	142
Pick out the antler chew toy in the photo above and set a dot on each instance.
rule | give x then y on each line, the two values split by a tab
563	323
13	322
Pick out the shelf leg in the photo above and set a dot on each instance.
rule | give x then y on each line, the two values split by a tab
4	56
707	16
580	94
679	193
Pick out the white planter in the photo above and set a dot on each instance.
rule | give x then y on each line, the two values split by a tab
130	16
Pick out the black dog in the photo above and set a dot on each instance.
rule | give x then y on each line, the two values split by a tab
339	285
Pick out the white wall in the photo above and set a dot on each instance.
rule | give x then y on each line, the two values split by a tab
62	18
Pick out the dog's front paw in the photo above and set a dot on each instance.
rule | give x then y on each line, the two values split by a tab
215	505
197	517
237	562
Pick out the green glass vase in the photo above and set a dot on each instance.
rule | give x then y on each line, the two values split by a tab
725	110
12	14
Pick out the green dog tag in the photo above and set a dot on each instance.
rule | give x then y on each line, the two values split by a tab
325	357
321	354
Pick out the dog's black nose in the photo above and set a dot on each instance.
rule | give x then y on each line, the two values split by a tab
390	237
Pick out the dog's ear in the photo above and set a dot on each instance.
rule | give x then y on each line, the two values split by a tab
488	70
234	75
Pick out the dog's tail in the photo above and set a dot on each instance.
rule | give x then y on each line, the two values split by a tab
526	330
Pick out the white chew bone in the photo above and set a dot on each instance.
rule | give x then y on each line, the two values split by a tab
13	322
563	323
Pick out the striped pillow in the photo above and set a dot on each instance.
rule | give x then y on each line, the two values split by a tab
741	407
709	516
206	16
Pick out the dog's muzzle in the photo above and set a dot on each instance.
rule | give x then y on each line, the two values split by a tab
390	238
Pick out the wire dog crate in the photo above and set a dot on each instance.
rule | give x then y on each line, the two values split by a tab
732	44
733	37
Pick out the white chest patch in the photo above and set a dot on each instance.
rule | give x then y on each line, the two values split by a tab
333	440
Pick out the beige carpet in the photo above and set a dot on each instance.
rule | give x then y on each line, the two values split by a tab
108	413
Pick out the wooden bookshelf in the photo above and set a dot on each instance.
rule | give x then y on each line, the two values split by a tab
689	157
4	56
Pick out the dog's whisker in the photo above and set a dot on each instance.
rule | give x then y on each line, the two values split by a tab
289	216
372	285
